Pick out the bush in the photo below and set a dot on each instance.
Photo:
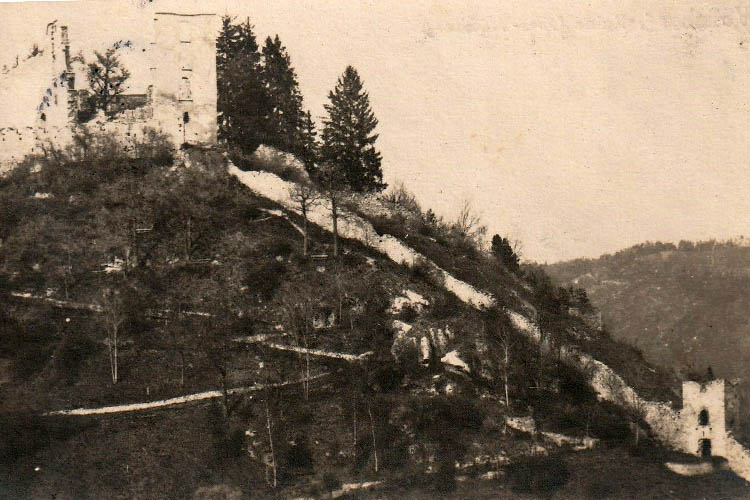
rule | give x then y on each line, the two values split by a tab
265	277
275	162
599	489
331	482
395	226
229	444
401	198
539	475
69	355
298	455
155	147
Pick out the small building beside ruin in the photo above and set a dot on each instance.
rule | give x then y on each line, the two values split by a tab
710	411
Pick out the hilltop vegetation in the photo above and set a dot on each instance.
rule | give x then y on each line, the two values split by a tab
177	260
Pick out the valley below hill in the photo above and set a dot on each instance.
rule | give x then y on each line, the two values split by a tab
684	306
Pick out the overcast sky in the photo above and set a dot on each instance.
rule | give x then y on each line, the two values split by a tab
577	129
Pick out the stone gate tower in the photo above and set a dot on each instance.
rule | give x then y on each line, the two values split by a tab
709	411
183	74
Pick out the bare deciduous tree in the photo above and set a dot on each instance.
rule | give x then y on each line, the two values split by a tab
469	224
333	182
114	316
305	197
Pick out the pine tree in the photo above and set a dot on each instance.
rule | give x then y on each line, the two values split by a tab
283	124
107	79
310	149
348	138
242	102
503	252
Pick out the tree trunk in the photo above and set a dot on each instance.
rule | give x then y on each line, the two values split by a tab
270	441
354	418
507	399
114	377
372	429
505	374
182	369
335	220
304	231
188	238
306	377
112	345
225	390
111	359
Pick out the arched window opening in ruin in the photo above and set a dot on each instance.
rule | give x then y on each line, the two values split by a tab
703	417
705	446
185	117
43	117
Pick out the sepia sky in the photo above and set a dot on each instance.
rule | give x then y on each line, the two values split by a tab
578	129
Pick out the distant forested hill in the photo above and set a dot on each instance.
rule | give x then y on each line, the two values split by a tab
684	306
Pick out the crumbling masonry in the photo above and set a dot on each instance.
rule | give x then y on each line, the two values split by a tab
43	101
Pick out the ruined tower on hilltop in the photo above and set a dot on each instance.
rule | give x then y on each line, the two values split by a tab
710	410
183	75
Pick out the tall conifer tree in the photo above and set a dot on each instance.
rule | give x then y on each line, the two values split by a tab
348	138
242	101
284	121
310	148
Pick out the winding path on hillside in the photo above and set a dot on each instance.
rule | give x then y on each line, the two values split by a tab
661	417
163	403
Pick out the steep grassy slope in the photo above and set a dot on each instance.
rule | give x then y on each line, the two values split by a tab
185	260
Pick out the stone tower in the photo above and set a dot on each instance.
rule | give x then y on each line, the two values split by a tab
183	74
709	411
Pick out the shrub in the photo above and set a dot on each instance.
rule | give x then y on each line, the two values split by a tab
155	147
265	277
331	482
539	475
69	355
599	489
395	225
402	198
298	455
229	444
275	162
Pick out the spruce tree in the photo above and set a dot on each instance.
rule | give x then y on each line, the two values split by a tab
348	138
504	253
283	124
242	102
310	149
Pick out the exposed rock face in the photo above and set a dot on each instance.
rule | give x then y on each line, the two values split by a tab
419	340
453	360
408	298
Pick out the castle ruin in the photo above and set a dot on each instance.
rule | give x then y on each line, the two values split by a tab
44	104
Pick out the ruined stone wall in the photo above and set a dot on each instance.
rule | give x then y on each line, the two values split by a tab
697	398
17	142
34	99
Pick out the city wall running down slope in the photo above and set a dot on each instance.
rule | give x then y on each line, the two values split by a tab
661	417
